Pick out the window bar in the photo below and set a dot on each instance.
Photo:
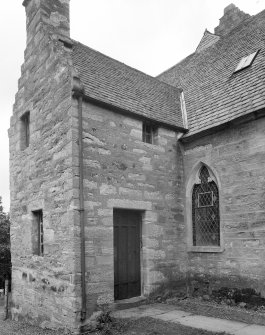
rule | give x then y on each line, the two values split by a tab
27	130
41	247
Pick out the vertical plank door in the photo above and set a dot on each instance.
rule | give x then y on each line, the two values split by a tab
127	244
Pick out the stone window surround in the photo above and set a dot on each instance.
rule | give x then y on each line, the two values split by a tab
193	179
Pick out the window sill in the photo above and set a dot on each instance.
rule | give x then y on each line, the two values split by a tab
208	249
150	144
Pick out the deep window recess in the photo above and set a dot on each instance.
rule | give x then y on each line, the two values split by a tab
37	236
25	131
149	133
246	61
205	211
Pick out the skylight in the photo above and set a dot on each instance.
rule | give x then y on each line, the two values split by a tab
246	61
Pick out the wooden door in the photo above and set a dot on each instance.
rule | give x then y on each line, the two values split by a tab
127	245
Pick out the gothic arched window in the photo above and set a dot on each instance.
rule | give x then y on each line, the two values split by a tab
205	211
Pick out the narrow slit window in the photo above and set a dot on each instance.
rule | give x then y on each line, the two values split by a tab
37	233
25	130
246	61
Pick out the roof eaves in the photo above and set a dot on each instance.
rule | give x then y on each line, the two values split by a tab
211	129
120	110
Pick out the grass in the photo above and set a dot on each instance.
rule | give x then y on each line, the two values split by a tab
149	326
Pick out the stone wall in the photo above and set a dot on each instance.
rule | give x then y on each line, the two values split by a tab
121	171
237	155
41	177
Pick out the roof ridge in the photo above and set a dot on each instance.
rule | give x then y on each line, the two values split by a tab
214	93
222	38
128	66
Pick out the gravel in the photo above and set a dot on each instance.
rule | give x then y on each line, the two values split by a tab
10	327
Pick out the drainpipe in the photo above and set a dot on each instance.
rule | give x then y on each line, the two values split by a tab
78	93
6	299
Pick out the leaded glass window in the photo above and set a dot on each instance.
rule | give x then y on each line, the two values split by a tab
205	211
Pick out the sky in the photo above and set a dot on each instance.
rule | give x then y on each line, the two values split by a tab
149	35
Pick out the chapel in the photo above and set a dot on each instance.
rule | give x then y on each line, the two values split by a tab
121	182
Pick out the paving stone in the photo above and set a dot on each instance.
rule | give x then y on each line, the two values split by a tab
194	321
251	330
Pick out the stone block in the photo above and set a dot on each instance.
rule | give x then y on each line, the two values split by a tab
133	123
150	216
90	184
139	151
136	177
131	193
106	189
104	260
153	195
105	212
136	133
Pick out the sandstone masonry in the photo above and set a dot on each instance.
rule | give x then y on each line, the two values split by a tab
90	137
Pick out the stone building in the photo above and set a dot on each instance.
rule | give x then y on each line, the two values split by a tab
121	181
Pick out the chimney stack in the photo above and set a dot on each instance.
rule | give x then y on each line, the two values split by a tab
232	17
53	14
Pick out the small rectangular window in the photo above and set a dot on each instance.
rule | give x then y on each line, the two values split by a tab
37	233
25	131
149	133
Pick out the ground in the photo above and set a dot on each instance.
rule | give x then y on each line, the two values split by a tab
17	328
149	326
143	326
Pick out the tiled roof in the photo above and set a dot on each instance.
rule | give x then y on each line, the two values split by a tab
214	94
112	82
207	40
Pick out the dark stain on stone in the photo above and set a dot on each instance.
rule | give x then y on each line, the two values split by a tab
120	165
61	289
31	278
